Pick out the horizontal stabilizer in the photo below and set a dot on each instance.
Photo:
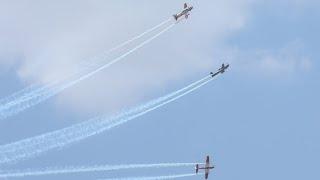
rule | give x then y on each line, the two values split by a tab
175	17
197	168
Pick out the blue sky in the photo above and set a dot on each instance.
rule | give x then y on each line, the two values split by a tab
258	120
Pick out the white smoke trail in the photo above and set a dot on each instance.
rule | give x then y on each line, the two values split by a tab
19	97
68	84
17	94
106	53
22	96
28	90
84	169
125	120
37	145
124	113
35	97
154	177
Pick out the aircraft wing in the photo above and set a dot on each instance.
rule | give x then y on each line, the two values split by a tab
185	5
207	161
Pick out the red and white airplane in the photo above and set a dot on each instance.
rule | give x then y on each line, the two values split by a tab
206	168
185	12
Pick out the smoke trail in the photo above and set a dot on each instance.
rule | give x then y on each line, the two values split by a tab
124	113
57	139
42	94
84	169
22	96
68	84
87	63
154	177
16	94
125	120
28	90
18	97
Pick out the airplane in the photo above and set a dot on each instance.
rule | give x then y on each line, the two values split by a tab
206	168
220	70
185	12
223	68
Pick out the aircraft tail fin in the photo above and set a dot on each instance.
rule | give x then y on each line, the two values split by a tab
185	6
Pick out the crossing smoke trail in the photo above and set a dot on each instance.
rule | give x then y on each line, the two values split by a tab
39	95
154	177
34	146
84	169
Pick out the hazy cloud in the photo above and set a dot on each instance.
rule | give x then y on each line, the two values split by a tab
50	37
289	60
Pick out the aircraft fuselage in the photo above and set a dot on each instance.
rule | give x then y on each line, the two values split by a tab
206	168
185	12
220	70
